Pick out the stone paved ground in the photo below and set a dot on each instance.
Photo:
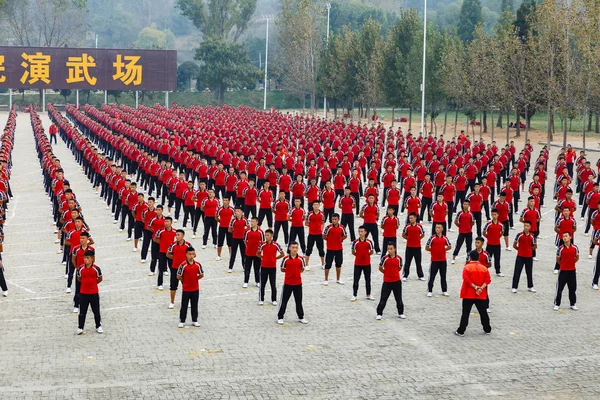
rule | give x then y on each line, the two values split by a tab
240	351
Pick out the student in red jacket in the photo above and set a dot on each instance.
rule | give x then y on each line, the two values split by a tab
390	266
89	276
189	273
334	234
292	266
268	252
476	279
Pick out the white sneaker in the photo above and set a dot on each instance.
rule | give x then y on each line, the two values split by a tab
214	246
513	290
589	256
370	297
445	294
532	290
280	321
99	329
260	303
325	283
429	294
150	274
180	325
508	249
340	282
258	285
203	246
422	278
378	318
166	273
66	276
75	310
452	262
79	331
245	285
5	293
587	234
303	321
229	270
174	220
143	260
171	305
274	303
68	290
134	249
535	259
218	258
322	267
64	262
59	251
556	308
595	287
378	253
116	221
129	239
353	298
402	316
450	230
574	307
512	228
194	236
500	274
160	287
57	241
120	230
403	279
489	310
196	324
583	219
555	272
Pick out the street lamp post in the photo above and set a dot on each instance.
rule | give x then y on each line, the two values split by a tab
424	57
325	97
266	18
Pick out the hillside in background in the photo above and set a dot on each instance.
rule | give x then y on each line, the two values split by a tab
140	23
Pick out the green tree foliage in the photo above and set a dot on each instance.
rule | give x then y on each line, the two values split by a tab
355	13
470	17
152	38
223	19
523	20
401	39
224	65
185	73
369	62
224	62
65	93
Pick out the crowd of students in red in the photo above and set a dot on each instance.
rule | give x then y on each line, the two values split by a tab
234	168
6	147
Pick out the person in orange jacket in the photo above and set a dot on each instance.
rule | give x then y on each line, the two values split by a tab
476	279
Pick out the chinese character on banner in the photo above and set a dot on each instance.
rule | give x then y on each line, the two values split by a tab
37	68
79	69
128	73
2	69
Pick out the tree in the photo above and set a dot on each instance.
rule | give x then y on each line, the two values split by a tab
116	94
400	41
65	93
225	62
354	13
369	62
300	40
225	65
507	5
185	73
152	38
223	19
525	12
454	74
555	58
470	17
46	23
